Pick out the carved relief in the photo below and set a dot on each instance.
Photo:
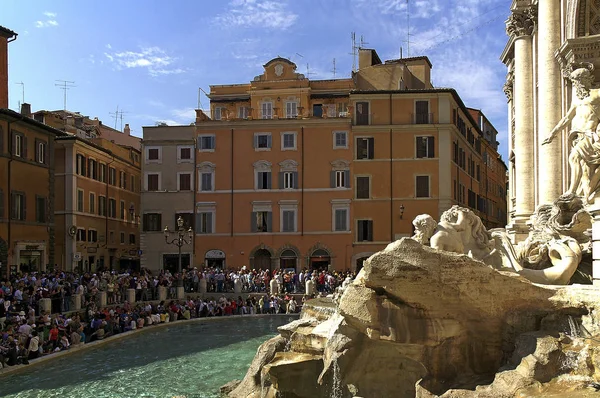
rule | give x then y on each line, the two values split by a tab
522	23
508	87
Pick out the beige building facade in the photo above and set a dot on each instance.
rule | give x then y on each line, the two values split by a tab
169	172
547	40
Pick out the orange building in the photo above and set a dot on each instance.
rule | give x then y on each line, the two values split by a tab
97	204
27	227
294	173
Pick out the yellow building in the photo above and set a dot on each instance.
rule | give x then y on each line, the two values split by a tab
97	204
299	173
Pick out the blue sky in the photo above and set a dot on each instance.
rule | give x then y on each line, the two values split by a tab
149	57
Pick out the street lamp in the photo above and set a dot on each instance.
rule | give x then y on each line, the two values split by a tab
179	239
131	211
401	211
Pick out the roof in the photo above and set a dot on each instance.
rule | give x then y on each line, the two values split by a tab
5	32
69	137
32	122
279	59
409	59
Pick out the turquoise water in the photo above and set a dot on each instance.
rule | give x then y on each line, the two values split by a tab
191	360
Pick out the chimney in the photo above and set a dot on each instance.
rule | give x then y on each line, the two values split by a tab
26	109
6	36
127	130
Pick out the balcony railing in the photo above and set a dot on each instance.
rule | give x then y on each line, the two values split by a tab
422	118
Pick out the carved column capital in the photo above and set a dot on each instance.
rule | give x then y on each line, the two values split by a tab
522	22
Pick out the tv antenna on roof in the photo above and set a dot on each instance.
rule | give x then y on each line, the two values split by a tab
22	94
407	29
334	70
308	72
118	115
65	85
354	52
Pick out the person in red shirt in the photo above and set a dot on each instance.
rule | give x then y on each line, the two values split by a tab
53	336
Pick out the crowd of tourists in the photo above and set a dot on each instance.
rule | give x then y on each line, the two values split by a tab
28	332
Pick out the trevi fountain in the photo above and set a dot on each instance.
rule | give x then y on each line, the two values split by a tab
457	310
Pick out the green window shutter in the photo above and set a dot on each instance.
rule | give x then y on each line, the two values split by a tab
295	178
371	148
361	229
281	180
268	180
431	147
255	141
270	221
209	223
253	227
24	208
347	178
332	178
268	141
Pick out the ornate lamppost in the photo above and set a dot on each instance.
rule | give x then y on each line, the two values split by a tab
180	238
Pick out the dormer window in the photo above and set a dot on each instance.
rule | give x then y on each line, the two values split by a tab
267	110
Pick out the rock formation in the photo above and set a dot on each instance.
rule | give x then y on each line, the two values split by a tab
423	322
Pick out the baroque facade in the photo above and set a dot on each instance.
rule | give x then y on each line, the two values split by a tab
548	40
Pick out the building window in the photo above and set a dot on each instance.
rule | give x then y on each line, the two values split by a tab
122	213
243	112
291	109
132	184
262	221
1	194
122	238
184	153
365	148
111	236
341	217
80	165
206	181
206	143
153	154
267	110
40	209
19	145
362	113
152	222
40	152
92	203
422	112
102	205
218	113
112	208
184	182
288	141
263	180
122	180
80	201
340	179
425	147
102	173
262	141
204	222
364	231
288	221
152	183
422	187
132	239
340	140
92	235
363	187
288	180
112	176
81	235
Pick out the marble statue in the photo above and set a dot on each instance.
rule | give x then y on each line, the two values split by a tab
461	231
550	255
584	116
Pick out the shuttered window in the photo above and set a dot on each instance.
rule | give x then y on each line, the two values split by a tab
425	147
362	187
261	221
204	222
365	231
152	222
422	190
289	220
341	220
365	148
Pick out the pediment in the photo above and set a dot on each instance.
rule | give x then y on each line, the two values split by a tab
340	164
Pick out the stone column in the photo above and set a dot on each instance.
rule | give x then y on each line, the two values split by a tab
101	299
180	293
162	293
131	296
76	302
521	24
549	101
45	305
203	285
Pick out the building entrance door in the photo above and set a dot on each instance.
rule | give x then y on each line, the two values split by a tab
262	259
320	260
170	262
30	260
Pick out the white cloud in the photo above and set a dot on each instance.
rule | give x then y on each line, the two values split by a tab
49	22
153	59
185	115
109	46
258	13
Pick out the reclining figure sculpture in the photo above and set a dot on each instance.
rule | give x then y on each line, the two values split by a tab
550	255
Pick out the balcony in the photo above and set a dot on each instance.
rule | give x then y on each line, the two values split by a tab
422	118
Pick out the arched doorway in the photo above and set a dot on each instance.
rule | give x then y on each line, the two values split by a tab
320	259
288	259
359	263
262	259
